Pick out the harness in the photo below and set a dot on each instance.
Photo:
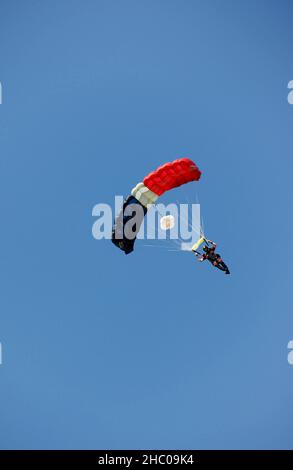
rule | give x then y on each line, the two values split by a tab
213	257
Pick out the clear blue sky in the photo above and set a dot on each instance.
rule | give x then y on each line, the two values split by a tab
95	95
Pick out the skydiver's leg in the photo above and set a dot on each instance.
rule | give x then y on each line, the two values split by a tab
225	267
219	263
219	266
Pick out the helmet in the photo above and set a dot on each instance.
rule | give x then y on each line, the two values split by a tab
205	248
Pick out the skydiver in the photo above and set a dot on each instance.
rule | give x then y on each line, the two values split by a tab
214	258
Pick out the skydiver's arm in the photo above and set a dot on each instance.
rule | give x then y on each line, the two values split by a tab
197	254
212	243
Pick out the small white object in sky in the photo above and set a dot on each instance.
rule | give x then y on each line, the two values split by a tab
167	222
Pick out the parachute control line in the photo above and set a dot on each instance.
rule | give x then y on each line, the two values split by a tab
144	194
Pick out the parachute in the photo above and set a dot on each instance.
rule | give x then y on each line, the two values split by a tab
144	194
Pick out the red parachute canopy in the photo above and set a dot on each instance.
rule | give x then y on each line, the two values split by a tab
171	175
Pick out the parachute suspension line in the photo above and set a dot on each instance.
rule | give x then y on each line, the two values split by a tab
199	229
195	229
202	229
165	241
160	247
171	240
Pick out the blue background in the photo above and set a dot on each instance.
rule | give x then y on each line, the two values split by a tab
151	350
